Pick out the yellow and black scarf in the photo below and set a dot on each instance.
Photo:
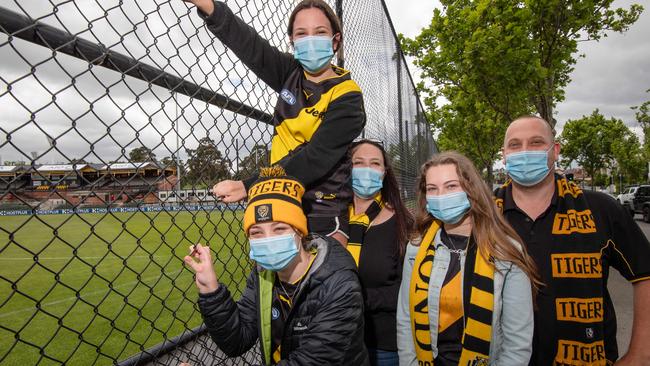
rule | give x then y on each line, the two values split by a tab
359	224
478	303
576	276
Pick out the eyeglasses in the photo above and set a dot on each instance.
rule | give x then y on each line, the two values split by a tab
361	140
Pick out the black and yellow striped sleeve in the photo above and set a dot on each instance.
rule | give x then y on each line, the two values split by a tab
342	123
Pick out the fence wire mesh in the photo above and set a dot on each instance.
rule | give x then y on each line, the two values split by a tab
117	116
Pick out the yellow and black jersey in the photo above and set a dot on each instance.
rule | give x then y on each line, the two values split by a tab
314	122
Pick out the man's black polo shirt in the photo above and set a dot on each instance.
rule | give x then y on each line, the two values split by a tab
630	256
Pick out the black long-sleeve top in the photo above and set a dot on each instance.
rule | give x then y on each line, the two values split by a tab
380	270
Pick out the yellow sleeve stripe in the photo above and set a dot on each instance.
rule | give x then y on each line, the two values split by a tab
640	279
343	88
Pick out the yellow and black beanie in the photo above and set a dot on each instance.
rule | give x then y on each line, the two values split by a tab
275	197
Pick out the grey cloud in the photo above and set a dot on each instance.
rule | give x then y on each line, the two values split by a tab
613	76
198	60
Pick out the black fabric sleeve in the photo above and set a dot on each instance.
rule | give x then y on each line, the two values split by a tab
342	123
628	248
232	326
248	182
333	326
267	62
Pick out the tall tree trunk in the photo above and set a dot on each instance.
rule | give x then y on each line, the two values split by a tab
490	176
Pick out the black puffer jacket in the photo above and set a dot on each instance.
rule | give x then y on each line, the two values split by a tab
325	326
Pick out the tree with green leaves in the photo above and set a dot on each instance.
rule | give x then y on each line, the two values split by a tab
495	60
141	154
629	157
597	143
642	115
258	157
206	165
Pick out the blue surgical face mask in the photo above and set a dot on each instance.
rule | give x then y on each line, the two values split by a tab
366	182
313	52
274	253
528	167
448	208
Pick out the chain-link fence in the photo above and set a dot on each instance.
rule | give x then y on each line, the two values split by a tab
116	118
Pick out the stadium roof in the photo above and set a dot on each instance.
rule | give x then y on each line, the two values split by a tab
61	167
11	168
123	166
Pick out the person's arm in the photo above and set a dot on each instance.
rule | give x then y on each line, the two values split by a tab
628	250
405	346
232	326
516	318
266	61
639	353
342	123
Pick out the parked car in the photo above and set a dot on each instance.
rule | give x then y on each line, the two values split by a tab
640	202
627	195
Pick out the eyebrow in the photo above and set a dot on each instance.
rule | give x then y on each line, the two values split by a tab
320	27
447	182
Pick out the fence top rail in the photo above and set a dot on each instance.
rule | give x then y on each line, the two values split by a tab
23	27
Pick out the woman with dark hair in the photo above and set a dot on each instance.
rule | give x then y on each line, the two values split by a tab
379	228
466	296
318	114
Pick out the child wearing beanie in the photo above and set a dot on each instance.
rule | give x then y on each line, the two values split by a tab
302	300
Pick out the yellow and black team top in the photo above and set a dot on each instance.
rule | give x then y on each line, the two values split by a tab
574	242
477	306
450	318
314	122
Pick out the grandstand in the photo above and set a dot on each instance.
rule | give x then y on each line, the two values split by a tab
85	184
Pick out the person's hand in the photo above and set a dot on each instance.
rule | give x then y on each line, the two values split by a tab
230	190
206	6
200	260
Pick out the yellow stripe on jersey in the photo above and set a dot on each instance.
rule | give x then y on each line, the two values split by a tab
294	132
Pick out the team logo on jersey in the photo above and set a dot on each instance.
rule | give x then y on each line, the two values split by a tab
288	97
275	313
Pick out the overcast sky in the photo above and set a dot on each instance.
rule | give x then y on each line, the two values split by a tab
613	76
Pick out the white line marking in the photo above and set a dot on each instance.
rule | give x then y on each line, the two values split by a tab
83	296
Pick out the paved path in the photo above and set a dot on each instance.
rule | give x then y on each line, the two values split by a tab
621	293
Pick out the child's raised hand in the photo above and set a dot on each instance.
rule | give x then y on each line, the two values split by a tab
200	260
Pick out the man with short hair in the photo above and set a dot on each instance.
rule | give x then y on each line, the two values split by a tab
574	237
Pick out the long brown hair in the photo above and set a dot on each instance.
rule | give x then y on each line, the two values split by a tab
390	193
335	22
492	234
